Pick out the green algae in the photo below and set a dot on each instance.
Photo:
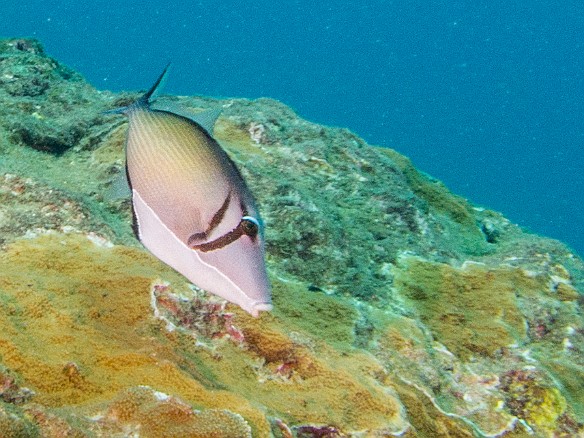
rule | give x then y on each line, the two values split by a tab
434	192
39	96
329	319
14	423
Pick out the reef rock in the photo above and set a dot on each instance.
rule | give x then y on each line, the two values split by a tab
400	309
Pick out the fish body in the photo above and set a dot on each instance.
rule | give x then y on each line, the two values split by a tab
192	208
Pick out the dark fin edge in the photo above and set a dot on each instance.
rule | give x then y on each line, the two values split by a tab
151	94
146	97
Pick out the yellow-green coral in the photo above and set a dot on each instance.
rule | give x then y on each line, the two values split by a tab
472	311
331	319
538	404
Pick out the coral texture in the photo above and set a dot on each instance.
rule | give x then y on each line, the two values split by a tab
400	309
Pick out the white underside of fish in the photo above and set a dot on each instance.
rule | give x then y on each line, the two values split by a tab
164	244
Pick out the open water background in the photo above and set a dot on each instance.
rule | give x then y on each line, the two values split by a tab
485	95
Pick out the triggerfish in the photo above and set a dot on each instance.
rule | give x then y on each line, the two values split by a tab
192	207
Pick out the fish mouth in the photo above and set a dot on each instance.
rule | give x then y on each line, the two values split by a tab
258	307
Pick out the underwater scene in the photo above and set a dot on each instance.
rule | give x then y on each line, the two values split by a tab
393	306
179	265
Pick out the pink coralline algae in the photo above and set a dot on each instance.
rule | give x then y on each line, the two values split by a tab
316	432
204	317
10	392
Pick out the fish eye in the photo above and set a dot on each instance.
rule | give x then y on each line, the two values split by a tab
250	226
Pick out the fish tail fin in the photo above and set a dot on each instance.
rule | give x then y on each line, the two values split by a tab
146	98
151	94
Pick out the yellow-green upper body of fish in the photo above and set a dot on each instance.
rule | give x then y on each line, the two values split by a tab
192	208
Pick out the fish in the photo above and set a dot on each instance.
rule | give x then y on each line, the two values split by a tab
192	207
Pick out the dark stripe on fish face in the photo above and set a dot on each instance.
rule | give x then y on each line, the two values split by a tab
246	227
217	218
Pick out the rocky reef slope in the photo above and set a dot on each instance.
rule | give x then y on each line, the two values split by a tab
400	309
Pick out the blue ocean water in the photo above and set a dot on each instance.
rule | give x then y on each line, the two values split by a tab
487	96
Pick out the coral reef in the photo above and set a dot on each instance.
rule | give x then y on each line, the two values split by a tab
400	309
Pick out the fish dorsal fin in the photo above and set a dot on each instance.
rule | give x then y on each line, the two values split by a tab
151	94
147	98
205	119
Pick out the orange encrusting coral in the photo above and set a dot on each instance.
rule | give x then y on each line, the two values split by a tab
67	301
78	329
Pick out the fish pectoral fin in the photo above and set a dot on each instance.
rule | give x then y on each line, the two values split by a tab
119	187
